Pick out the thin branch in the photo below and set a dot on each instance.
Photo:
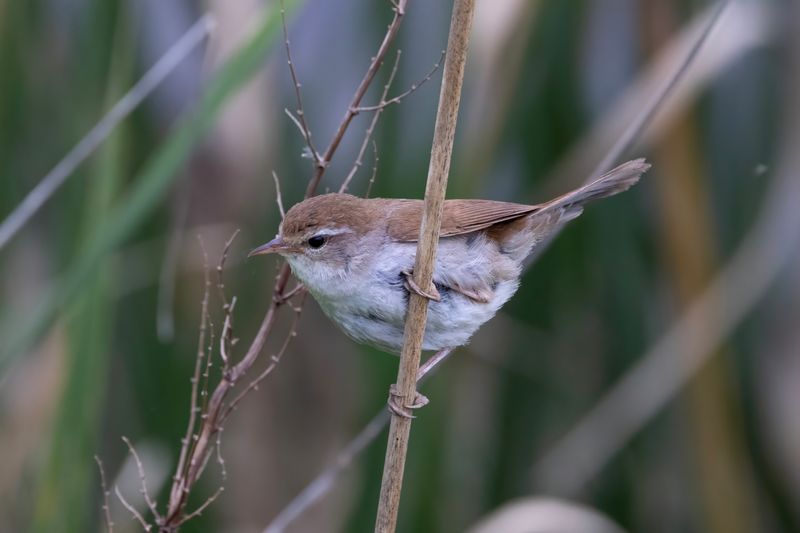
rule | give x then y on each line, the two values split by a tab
89	143
220	459
384	103
300	120
371	128
186	442
209	352
226	338
104	488
274	360
374	169
143	480
197	512
291	293
131	509
221	269
278	195
399	9
441	152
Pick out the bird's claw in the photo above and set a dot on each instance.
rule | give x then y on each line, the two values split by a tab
404	410
411	286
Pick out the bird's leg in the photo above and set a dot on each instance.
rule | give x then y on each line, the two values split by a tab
411	286
404	410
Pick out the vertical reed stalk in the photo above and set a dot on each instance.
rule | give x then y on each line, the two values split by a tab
441	151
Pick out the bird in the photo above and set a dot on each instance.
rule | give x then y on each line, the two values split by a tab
356	256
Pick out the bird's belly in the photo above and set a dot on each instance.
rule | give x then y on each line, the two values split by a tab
380	319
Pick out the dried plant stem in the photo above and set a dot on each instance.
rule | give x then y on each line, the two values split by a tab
384	103
300	119
104	488
371	128
441	151
131	509
142	478
399	8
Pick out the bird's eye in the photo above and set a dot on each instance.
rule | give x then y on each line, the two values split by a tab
316	241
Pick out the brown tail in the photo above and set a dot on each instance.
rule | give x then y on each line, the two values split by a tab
614	181
545	218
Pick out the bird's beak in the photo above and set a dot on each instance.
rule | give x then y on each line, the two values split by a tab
275	246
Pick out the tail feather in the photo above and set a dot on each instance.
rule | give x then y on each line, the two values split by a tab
555	213
614	181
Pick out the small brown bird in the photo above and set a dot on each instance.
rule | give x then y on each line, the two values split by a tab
355	256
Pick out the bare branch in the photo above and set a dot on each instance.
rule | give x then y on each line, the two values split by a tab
294	291
197	512
131	509
274	360
384	103
88	144
104	488
142	479
278	195
372	124
300	120
186	442
374	169
221	268
220	459
399	9
226	338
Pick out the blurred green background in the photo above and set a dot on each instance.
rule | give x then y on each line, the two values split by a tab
101	290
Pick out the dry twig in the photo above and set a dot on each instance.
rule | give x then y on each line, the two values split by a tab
142	479
378	109
104	487
399	8
300	119
374	169
131	509
384	103
371	128
278	195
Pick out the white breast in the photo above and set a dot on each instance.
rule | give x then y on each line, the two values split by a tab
369	303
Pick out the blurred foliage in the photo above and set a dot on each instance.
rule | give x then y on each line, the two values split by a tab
82	364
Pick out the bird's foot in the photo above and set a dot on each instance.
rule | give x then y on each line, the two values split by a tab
404	410
411	286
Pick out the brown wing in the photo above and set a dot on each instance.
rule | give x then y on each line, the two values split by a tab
465	216
459	217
